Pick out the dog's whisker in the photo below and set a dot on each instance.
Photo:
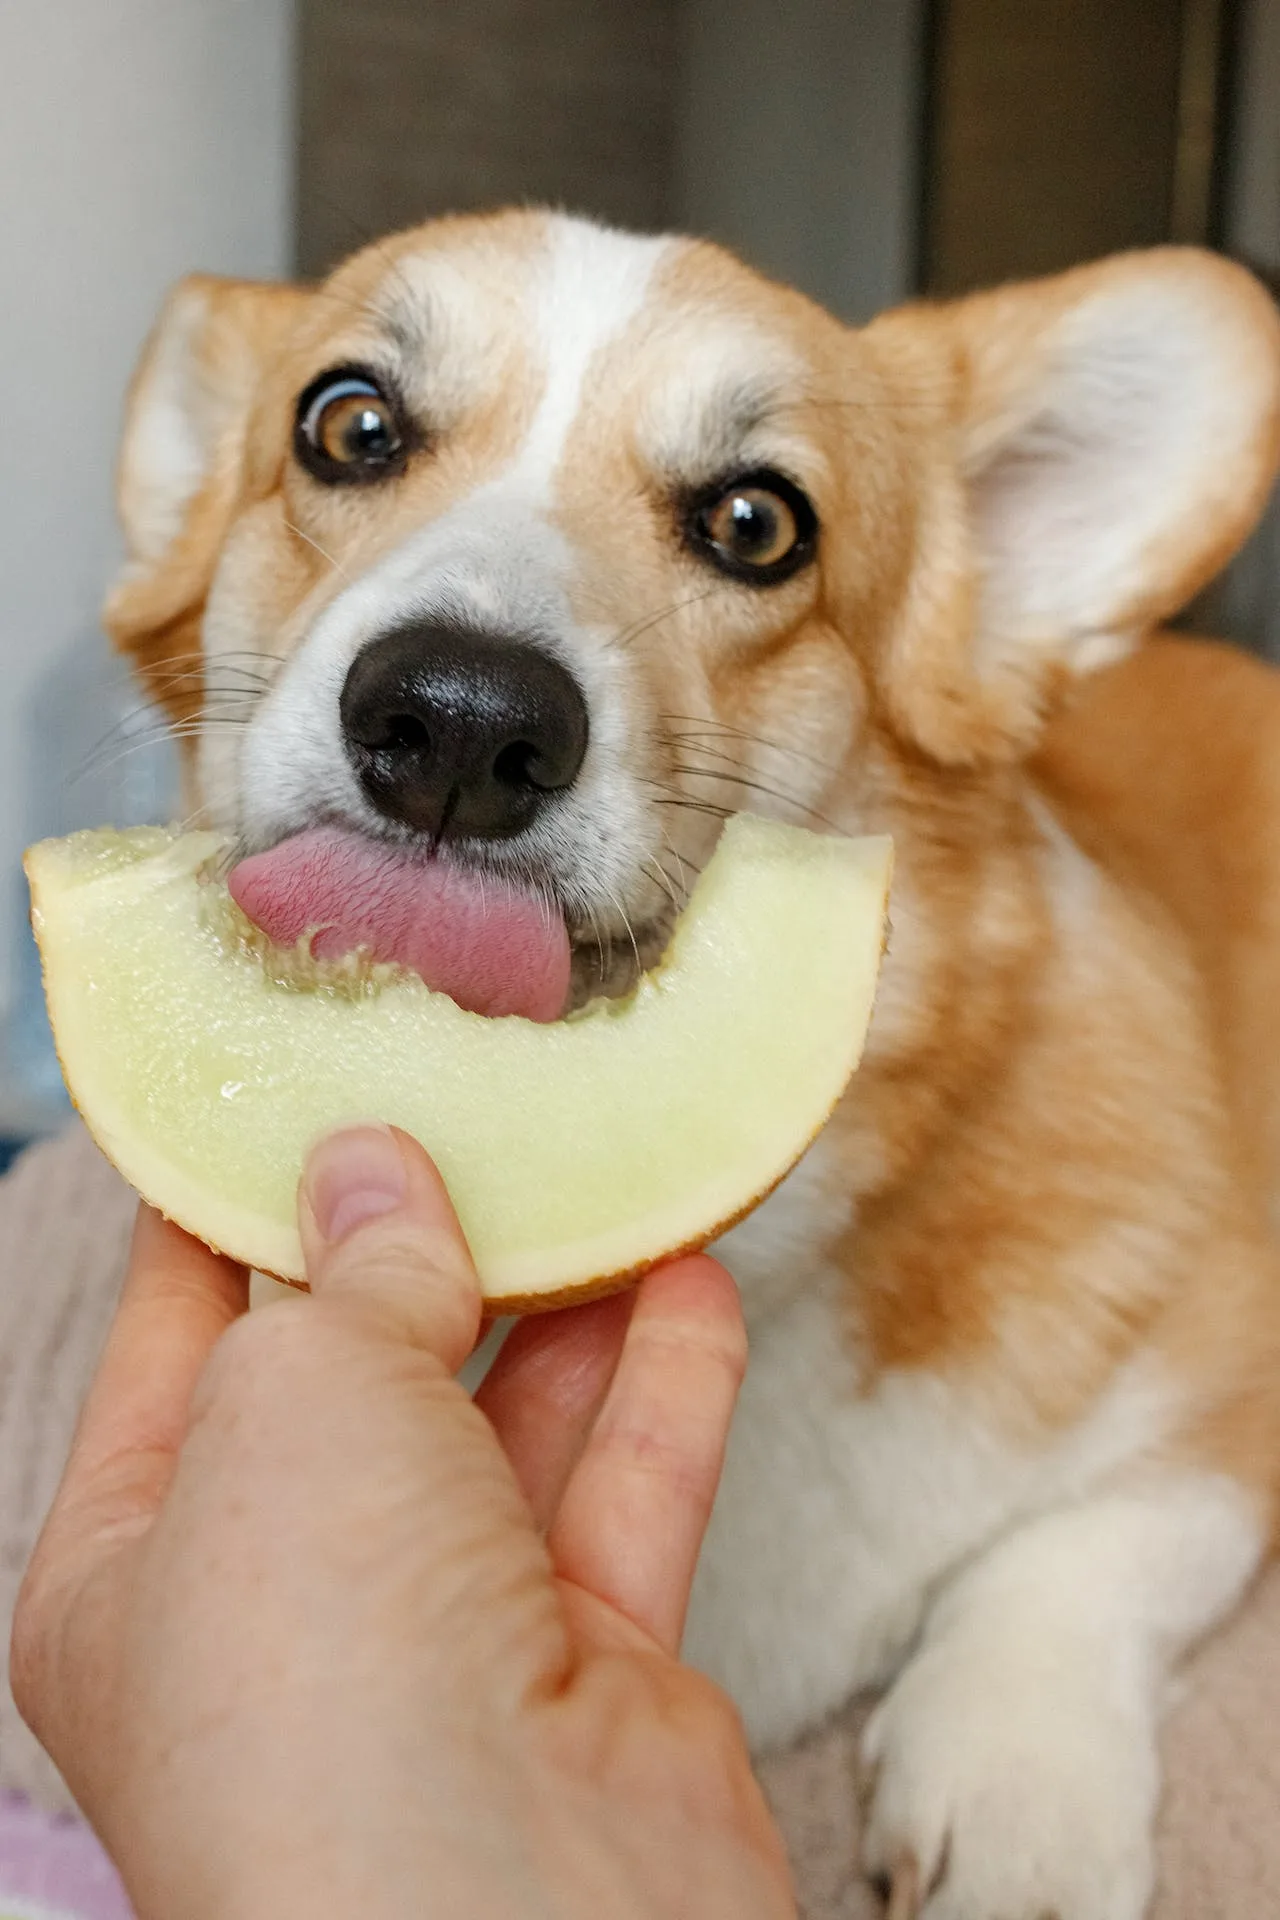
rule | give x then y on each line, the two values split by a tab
661	878
632	633
622	914
322	551
685	865
720	729
594	923
222	676
236	849
112	749
244	689
139	730
761	787
198	665
689	743
675	855
147	715
707	807
728	766
669	846
550	911
182	666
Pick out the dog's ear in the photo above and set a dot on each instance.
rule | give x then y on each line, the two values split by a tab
1117	430
182	463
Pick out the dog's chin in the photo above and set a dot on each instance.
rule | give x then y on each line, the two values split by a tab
608	964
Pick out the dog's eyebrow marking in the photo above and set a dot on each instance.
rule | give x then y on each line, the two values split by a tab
716	436
404	327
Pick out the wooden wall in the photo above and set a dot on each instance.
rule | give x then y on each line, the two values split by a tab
414	107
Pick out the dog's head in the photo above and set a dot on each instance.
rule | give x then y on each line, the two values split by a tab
521	551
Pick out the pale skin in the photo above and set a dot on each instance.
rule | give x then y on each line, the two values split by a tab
310	1632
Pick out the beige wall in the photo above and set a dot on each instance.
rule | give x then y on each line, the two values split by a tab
138	139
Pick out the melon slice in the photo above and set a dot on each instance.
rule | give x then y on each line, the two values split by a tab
577	1154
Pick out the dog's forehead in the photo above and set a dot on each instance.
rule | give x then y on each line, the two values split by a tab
578	326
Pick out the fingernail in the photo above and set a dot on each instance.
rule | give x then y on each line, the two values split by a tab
352	1177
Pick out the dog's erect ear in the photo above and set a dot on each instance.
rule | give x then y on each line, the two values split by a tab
1118	429
181	464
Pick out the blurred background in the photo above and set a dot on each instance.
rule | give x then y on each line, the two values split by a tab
863	149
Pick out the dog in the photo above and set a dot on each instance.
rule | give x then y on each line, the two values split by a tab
533	549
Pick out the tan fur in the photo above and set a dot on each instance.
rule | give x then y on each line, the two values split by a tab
156	610
1166	767
1047	1169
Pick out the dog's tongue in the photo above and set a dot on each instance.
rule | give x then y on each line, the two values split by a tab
493	950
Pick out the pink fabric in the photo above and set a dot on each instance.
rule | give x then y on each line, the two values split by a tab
52	1868
493	950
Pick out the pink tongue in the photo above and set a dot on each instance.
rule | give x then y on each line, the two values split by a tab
493	950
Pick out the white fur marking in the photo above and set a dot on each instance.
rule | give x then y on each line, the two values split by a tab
593	284
840	1510
1017	1752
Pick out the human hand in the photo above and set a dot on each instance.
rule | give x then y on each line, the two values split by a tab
309	1632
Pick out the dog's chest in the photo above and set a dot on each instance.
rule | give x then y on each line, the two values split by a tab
836	1512
841	1509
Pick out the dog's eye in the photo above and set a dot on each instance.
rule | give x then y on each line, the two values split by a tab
752	525
347	428
760	528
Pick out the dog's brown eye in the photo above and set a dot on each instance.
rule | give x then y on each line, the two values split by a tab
752	525
347	429
760	528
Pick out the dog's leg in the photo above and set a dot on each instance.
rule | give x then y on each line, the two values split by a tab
1016	1753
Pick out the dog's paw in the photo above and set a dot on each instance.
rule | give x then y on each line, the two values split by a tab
1010	1794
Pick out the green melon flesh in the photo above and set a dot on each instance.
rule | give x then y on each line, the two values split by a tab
577	1154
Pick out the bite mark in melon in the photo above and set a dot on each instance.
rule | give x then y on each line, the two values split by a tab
578	1154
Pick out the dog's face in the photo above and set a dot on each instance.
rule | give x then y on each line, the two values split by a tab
539	547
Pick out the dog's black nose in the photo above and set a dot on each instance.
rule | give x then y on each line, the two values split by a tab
457	732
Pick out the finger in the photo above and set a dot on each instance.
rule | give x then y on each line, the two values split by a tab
377	1226
544	1390
178	1297
636	1507
904	1891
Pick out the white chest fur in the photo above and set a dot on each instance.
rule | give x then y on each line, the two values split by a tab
841	1510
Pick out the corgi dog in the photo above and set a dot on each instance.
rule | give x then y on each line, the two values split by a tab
522	552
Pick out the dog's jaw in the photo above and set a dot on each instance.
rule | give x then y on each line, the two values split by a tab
606	965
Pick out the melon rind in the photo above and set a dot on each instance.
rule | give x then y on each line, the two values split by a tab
577	1154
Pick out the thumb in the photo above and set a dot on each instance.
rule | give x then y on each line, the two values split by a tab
378	1226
